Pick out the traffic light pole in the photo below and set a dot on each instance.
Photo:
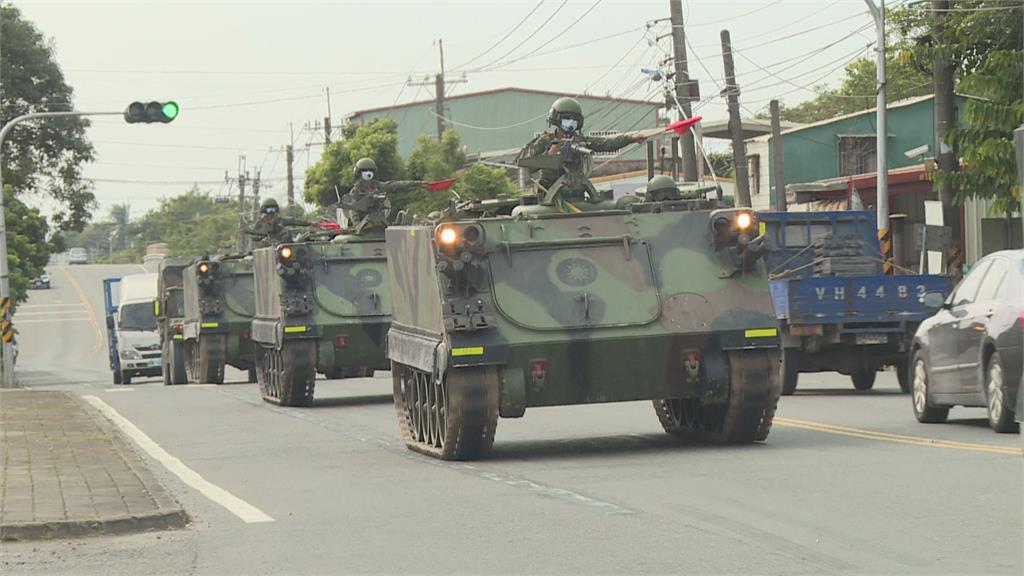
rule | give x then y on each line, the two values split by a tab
5	285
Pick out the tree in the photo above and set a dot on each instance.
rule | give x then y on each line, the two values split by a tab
332	175
982	39
478	181
857	91
39	157
433	160
43	155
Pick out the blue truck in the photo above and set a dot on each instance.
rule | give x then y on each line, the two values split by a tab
837	310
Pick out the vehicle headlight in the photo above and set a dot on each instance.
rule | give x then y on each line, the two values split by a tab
130	354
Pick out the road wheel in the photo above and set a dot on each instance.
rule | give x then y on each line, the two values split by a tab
165	372
924	411
210	357
126	378
174	365
747	414
790	370
903	376
287	376
451	419
864	379
117	376
251	375
1000	415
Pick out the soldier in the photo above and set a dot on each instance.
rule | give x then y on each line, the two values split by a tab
272	228
566	116
367	204
662	188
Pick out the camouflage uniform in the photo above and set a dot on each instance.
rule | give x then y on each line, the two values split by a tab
367	205
273	229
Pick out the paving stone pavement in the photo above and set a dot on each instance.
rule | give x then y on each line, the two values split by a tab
66	471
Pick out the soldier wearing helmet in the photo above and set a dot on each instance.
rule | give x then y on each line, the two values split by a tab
566	116
662	188
367	204
271	228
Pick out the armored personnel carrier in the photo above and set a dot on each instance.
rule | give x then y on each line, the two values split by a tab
170	313
321	306
219	306
657	300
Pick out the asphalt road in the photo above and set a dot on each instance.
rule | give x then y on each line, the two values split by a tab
847	483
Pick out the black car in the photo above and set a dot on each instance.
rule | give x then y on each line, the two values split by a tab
969	352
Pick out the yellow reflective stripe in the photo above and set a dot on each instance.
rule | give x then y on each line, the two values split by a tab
472	351
177	337
761	333
294	329
761	227
209	324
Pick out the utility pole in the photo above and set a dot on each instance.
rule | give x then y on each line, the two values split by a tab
683	91
780	178
256	194
440	85
945	120
327	119
739	147
881	134
289	153
243	177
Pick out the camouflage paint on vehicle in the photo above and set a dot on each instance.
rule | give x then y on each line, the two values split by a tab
220	304
651	302
333	295
170	314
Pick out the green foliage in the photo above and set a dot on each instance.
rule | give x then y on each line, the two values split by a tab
332	175
41	156
433	160
191	224
28	245
985	142
857	91
984	47
478	181
723	164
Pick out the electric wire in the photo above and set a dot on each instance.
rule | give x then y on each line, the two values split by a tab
528	37
503	38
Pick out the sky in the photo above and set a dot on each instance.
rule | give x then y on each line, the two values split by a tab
250	77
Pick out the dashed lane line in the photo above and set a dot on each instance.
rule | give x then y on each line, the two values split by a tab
245	511
88	308
895	438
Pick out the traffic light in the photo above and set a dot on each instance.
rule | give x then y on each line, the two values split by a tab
149	112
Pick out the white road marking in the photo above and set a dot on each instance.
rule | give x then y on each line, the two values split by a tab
245	511
50	320
119	389
47	306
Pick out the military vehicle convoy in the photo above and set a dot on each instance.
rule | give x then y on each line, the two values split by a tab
170	314
321	306
663	301
219	306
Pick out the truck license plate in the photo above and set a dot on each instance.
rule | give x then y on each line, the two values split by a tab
872	338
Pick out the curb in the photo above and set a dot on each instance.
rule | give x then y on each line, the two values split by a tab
78	528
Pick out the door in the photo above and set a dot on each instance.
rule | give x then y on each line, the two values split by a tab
944	337
973	329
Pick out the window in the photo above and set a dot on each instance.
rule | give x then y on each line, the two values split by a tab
820	230
605	134
754	171
137	316
993	280
969	286
795	235
857	155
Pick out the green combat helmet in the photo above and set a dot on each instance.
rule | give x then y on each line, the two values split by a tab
269	206
365	165
566	110
662	188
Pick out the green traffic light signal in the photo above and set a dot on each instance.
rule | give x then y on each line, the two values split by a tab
161	112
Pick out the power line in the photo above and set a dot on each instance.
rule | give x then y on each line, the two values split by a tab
736	17
564	30
530	36
503	38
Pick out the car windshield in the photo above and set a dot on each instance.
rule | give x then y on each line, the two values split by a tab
138	316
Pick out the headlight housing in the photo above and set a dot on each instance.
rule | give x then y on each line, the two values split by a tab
130	354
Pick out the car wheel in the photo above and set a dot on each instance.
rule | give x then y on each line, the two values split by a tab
1000	416
924	411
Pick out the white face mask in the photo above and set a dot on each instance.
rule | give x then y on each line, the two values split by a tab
366	175
569	124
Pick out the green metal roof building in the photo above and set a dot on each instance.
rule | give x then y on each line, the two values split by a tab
507	118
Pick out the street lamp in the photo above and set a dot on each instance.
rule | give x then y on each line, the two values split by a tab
161	112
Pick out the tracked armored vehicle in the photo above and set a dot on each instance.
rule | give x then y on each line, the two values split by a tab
664	301
170	317
321	306
219	306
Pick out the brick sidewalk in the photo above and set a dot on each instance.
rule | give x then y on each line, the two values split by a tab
66	471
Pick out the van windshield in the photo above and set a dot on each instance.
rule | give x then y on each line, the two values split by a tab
138	316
